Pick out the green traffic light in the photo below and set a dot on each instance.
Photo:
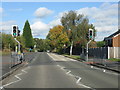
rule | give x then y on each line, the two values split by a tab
14	34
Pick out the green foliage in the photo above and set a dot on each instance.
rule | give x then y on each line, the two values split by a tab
21	39
100	44
114	59
27	35
41	44
77	26
8	41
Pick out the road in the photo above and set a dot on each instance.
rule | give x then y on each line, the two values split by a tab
7	61
48	70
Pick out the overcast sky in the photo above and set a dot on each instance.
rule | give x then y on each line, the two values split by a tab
44	15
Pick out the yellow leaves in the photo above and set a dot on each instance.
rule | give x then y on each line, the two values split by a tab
57	36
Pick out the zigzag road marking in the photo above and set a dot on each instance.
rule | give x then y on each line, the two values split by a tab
16	76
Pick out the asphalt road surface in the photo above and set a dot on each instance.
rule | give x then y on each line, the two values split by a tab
6	62
48	70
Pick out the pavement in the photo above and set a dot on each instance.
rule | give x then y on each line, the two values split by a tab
49	70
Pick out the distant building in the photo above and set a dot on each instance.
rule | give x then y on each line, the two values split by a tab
113	40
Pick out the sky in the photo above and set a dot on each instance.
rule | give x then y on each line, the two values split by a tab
44	15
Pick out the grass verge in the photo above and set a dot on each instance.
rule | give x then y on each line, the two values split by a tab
4	53
114	59
73	56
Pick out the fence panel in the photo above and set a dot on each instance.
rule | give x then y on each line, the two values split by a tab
119	52
98	52
114	52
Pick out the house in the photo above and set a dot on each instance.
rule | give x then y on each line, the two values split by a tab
113	40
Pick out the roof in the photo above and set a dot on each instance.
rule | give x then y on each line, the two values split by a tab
112	35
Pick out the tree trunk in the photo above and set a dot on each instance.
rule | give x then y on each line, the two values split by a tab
71	47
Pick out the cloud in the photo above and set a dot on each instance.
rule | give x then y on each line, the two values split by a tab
6	26
55	23
40	29
1	10
105	18
42	12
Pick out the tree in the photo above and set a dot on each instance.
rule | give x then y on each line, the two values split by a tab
100	44
57	37
27	35
76	26
8	41
41	44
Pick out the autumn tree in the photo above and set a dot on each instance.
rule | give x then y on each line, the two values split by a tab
57	37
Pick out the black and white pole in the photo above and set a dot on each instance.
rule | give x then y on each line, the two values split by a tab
87	49
15	33
91	36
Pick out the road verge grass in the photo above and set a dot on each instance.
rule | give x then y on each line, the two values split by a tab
4	53
114	59
72	56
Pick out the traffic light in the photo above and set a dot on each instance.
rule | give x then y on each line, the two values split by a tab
18	33
14	31
90	33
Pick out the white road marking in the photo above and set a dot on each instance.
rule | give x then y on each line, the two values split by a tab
79	83
24	71
62	68
59	57
112	73
104	70
91	66
19	79
58	65
68	72
16	76
84	85
78	80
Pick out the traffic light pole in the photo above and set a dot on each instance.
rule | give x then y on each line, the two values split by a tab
18	45
87	50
